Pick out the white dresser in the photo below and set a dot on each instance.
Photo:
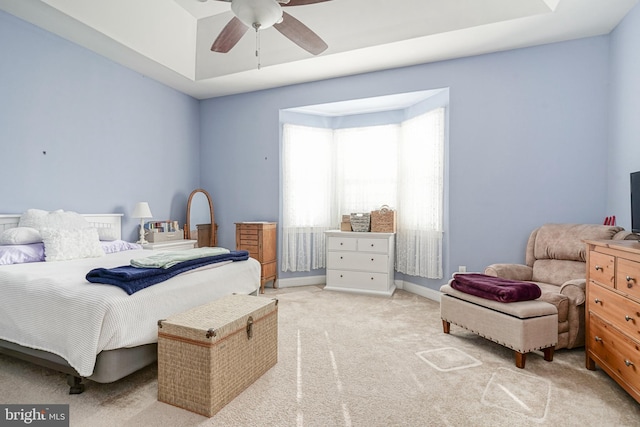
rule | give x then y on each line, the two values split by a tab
360	262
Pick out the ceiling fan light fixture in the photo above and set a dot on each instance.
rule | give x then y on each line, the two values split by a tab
257	13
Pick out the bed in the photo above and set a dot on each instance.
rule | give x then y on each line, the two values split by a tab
51	315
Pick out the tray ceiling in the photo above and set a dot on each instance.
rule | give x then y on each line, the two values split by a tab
170	40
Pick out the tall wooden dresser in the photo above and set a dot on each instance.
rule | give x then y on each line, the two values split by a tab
360	262
613	311
259	238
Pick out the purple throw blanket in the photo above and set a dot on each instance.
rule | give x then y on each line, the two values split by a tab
495	288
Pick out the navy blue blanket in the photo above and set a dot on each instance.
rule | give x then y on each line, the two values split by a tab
132	279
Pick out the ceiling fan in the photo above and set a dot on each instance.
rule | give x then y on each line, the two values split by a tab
262	14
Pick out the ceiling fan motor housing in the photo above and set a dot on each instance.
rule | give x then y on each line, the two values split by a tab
257	13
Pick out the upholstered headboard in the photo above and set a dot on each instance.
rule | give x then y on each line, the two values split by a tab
111	221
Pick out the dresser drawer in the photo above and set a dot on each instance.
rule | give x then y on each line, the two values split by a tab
341	244
619	353
627	276
358	280
601	268
358	261
620	311
373	245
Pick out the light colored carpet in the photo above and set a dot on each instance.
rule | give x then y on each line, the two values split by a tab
352	360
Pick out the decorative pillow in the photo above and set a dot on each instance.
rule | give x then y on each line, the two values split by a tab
107	234
32	218
17	254
118	246
39	219
60	245
20	236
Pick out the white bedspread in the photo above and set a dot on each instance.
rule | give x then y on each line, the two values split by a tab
50	306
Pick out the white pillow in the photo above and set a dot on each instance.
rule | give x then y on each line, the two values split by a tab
61	245
39	219
20	236
107	234
32	218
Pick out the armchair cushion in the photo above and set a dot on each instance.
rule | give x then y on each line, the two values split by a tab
566	241
510	271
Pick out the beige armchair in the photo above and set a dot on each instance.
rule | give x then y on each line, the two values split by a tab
556	261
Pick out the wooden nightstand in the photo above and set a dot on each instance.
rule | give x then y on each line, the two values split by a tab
171	245
259	238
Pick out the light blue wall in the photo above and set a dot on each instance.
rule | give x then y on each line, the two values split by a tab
112	136
529	137
527	142
624	111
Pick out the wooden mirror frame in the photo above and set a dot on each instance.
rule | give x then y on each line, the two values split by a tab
188	223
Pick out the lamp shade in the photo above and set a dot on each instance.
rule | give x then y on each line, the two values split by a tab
141	210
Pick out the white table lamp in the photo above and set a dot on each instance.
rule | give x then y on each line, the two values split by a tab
142	211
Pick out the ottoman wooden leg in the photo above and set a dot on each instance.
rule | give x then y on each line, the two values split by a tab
548	353
446	326
521	359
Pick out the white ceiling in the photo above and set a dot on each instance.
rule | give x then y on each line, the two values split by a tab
170	40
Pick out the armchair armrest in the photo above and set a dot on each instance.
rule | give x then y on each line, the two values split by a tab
510	271
575	289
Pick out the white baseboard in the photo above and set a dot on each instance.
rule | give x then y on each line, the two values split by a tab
418	290
322	280
302	281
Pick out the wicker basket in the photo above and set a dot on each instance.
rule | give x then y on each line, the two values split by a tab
360	221
210	354
383	220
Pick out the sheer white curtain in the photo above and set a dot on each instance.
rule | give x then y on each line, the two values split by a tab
307	196
420	196
366	168
328	173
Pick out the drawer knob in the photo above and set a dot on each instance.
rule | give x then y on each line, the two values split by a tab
597	301
340	257
372	245
627	318
598	339
371	259
598	268
628	362
372	278
630	281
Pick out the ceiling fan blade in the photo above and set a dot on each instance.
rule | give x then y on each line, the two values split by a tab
302	2
229	36
300	34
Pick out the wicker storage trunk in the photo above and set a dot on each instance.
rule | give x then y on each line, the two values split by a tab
208	355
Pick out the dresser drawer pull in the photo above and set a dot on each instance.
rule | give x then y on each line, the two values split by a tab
598	339
372	278
597	301
630	281
597	267
628	362
372	259
627	318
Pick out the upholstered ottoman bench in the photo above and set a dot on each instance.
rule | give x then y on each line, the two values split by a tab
522	326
